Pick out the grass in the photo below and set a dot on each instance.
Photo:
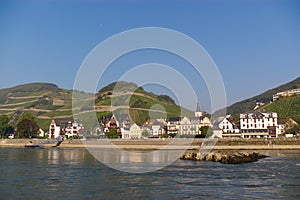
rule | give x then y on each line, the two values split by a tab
57	113
44	123
104	102
4	112
101	114
13	101
144	101
285	107
23	93
19	107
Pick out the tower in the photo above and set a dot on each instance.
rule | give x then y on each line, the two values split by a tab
198	113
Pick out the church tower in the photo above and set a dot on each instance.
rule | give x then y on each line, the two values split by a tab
198	113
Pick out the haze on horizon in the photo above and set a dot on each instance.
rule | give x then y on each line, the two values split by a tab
255	44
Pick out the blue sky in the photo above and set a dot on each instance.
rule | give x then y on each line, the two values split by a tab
255	44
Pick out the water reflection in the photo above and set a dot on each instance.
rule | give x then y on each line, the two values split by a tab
53	156
135	161
72	156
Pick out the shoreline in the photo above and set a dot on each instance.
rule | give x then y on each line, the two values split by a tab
161	144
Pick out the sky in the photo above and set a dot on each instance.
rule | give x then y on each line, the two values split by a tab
254	44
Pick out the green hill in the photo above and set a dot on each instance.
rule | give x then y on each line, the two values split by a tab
43	100
249	104
138	102
285	108
47	101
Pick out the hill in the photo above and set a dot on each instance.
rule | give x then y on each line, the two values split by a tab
43	100
139	104
285	108
266	97
47	101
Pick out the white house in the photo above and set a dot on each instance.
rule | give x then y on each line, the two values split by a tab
54	130
205	121
11	136
185	127
287	93
173	125
280	126
228	127
125	133
258	124
73	129
41	133
135	132
67	128
156	130
189	126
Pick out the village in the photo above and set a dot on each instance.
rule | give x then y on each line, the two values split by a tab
257	123
254	124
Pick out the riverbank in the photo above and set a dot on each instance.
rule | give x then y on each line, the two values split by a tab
151	144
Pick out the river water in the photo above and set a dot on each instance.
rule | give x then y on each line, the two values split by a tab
75	174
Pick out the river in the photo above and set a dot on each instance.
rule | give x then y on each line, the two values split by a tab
75	174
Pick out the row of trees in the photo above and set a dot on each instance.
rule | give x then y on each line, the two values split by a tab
26	126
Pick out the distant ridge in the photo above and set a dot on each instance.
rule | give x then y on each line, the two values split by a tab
249	104
25	89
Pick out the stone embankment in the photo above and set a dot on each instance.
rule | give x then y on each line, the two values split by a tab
225	157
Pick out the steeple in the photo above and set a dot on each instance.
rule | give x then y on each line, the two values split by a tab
198	107
198	113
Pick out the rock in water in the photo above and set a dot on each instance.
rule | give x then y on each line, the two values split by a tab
238	158
225	157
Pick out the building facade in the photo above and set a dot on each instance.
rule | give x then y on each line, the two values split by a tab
135	132
72	129
287	93
228	127
258	124
54	130
64	128
172	125
189	126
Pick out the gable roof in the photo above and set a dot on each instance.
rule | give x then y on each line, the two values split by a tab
174	119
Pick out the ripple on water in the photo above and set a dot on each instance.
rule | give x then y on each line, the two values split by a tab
73	174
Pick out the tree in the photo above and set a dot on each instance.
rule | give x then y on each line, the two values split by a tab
4	125
293	130
26	115
112	133
205	131
27	128
145	133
